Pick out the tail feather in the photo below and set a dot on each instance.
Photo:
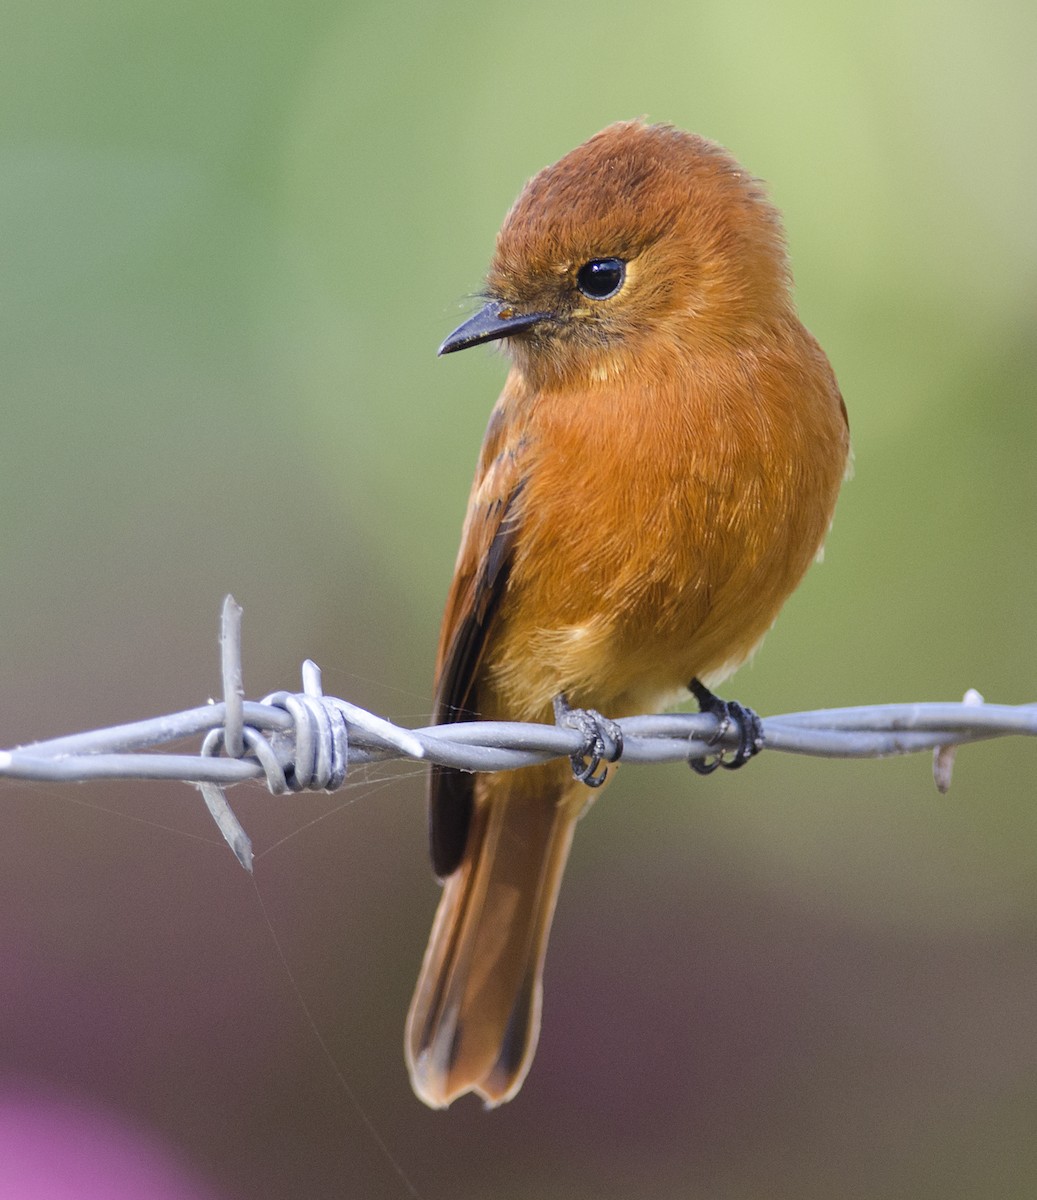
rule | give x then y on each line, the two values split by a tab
475	1017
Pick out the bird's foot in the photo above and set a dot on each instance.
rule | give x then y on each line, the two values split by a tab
729	713
603	741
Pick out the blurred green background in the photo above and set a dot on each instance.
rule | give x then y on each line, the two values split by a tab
231	238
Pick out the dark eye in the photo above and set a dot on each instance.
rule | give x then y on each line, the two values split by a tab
601	277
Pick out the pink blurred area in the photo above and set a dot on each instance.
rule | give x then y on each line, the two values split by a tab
59	1148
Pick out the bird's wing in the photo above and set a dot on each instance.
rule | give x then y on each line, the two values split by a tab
480	577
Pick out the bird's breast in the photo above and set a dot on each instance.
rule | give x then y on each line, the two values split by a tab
663	522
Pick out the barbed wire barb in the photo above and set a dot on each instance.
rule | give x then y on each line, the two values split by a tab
232	736
297	741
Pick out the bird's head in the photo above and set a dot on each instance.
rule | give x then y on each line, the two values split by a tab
644	241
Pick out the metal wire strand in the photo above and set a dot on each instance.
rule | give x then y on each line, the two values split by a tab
297	741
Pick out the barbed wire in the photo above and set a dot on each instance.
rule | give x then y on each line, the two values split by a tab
299	741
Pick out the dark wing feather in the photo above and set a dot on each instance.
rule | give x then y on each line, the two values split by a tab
475	594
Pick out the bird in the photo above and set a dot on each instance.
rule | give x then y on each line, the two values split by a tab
658	473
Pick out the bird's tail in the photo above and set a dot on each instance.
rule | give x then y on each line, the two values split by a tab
475	1017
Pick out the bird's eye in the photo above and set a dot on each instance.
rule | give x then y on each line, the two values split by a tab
601	277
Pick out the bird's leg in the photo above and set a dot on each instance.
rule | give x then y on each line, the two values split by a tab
728	713
603	740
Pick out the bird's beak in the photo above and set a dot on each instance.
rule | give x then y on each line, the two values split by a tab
498	319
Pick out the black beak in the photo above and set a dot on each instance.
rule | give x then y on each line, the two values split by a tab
496	320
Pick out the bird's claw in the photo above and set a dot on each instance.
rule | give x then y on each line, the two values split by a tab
603	741
728	713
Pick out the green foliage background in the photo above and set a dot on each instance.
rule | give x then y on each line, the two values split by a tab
231	237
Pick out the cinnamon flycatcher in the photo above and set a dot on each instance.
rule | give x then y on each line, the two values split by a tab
657	475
